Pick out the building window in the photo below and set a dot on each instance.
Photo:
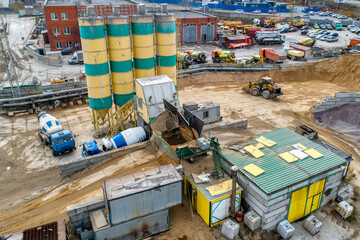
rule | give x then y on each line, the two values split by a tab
54	17
206	114
68	44
56	31
77	45
59	45
64	16
67	31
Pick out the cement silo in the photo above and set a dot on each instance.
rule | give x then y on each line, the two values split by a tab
165	40
143	45
93	41
119	44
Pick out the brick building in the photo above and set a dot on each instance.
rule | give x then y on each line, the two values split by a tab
196	26
62	19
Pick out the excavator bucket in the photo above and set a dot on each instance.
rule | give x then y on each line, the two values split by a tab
245	88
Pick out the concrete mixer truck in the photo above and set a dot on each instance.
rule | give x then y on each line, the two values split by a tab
125	138
197	57
51	133
222	56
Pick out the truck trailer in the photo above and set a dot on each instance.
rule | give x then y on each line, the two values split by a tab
269	38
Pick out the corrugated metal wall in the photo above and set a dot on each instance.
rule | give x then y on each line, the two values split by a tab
207	32
189	33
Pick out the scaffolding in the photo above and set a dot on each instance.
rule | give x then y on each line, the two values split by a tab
8	60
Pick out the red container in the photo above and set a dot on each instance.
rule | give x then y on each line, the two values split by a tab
239	216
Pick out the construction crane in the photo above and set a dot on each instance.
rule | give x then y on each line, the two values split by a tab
272	21
293	21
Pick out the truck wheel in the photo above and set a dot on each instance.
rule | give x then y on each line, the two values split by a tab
255	92
41	138
266	94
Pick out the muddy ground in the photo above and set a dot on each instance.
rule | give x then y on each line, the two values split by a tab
32	193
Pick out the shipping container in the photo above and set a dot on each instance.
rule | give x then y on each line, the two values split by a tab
143	193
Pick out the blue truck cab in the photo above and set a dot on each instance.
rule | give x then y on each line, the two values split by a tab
89	148
62	141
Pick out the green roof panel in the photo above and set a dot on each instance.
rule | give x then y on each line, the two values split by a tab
278	173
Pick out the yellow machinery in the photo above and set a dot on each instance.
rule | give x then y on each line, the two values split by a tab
271	22
184	60
61	80
257	59
308	42
82	77
294	22
198	57
223	56
295	55
266	87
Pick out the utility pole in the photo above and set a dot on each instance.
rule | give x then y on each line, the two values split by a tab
8	60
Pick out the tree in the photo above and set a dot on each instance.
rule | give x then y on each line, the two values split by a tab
15	6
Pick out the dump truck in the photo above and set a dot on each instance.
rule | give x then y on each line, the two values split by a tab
51	133
308	42
269	38
184	60
223	56
295	55
77	58
272	56
197	57
265	87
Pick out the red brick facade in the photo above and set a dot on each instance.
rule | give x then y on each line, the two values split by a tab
58	41
198	22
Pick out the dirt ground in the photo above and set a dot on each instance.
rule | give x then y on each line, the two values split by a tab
32	194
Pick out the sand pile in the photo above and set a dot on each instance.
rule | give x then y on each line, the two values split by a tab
343	71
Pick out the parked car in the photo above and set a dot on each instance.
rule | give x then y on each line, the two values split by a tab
357	32
319	36
66	51
327	33
332	39
293	29
323	14
284	30
334	34
322	26
323	38
305	16
322	31
350	26
329	27
38	14
342	17
354	29
312	13
257	11
304	28
316	26
239	11
304	32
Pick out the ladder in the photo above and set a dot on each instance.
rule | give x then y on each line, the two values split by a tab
217	158
120	115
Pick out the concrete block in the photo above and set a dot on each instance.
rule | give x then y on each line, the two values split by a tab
64	105
10	114
79	102
71	103
343	94
271	225
328	104
71	213
254	201
279	205
86	100
275	217
31	110
298	186
280	193
339	169
317	178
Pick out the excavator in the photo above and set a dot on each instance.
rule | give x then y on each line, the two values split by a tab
295	22
223	56
271	22
257	59
265	87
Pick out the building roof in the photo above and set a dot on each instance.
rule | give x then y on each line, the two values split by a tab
86	2
139	182
213	181
191	14
150	81
334	149
278	173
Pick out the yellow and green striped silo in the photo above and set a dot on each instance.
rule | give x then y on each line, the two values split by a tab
93	41
119	44
165	40
143	45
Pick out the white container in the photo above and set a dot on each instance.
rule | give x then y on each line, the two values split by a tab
344	209
230	229
312	224
252	220
285	229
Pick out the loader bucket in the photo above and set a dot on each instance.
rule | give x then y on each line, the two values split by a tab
245	88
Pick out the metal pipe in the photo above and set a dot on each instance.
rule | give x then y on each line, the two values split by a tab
234	170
